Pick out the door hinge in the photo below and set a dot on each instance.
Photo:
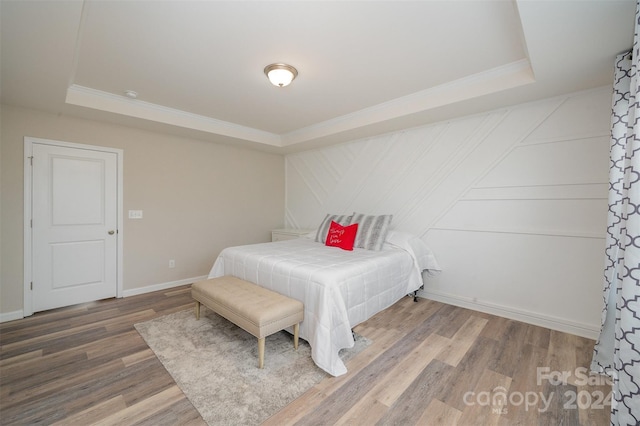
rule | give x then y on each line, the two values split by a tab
32	285
31	160
31	223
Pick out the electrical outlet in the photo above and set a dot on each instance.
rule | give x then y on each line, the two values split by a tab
172	263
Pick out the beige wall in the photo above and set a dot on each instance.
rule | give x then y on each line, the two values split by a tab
198	197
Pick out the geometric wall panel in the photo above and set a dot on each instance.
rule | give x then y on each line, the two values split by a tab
533	175
569	162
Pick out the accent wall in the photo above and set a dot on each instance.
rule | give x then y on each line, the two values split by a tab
513	203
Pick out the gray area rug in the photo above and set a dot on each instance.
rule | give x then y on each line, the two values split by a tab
215	363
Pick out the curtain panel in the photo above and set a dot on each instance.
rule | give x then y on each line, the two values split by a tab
617	351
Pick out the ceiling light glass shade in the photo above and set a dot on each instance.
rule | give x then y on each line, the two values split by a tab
280	74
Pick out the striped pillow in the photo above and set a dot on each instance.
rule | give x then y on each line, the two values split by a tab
323	230
372	230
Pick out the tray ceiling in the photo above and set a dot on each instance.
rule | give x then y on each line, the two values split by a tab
365	67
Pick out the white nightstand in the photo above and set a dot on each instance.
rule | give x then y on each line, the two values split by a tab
288	234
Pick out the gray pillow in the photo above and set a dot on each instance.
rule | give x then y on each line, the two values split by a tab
372	230
323	230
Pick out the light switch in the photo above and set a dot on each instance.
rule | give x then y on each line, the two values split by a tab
135	214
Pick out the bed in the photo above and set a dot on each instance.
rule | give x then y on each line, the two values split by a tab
339	288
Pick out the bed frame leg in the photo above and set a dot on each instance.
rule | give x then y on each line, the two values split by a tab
415	293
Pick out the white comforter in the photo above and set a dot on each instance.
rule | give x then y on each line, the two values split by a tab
339	289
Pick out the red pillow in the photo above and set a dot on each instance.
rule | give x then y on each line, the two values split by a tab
342	236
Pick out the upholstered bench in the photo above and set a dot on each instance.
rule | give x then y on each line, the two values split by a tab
259	311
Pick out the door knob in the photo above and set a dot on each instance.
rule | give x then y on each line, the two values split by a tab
111	232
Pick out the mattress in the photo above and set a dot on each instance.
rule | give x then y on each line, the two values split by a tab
339	288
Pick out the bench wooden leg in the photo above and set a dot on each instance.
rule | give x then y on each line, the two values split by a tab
197	310
261	353
296	333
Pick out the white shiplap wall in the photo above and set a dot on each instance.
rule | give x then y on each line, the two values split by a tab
513	202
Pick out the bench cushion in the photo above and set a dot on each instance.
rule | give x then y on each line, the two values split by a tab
257	310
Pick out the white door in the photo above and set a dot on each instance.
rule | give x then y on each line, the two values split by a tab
74	228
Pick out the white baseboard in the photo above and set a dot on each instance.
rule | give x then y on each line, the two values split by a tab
554	323
161	286
11	316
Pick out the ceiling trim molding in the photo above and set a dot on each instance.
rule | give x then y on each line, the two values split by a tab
105	101
507	76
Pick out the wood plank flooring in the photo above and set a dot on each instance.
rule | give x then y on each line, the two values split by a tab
429	364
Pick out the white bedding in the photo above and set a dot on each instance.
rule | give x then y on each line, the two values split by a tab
339	288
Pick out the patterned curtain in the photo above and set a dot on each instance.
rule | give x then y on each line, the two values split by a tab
617	351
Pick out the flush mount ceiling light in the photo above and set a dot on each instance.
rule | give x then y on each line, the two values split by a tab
280	74
131	94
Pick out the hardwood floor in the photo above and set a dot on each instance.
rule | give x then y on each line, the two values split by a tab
429	364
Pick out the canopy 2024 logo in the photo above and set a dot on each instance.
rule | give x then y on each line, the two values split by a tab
500	399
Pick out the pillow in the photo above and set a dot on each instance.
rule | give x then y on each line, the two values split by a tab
372	230
421	253
342	236
321	233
